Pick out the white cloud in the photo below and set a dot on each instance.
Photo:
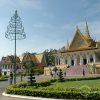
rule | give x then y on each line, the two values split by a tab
48	14
92	7
36	4
42	25
94	28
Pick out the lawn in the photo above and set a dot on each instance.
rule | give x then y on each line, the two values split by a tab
78	84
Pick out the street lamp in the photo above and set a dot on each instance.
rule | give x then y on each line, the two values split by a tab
15	31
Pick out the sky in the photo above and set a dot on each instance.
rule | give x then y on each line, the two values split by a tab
48	24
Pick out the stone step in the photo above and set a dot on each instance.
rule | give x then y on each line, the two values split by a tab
77	70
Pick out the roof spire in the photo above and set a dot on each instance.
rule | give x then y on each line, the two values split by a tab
67	45
87	34
77	29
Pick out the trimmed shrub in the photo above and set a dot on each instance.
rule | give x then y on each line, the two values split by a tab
60	76
71	93
3	78
39	89
83	78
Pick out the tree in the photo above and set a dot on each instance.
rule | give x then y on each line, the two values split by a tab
29	66
50	58
60	76
15	31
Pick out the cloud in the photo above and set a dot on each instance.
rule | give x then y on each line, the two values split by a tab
34	4
94	29
92	7
42	25
48	15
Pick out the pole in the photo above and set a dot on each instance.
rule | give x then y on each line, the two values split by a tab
15	31
15	54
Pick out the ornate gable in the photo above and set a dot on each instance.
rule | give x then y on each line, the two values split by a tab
78	41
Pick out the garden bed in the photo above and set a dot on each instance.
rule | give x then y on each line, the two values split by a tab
80	88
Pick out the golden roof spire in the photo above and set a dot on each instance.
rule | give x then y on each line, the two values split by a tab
87	34
67	45
77	28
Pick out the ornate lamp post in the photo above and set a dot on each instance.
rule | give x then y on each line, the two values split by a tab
15	31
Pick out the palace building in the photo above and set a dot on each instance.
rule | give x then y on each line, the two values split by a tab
83	53
38	59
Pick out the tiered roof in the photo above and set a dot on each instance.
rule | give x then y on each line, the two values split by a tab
82	42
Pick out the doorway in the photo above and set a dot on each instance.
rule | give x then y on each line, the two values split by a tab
72	62
84	61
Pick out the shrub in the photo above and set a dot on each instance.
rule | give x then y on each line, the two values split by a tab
60	76
71	93
39	89
3	78
83	78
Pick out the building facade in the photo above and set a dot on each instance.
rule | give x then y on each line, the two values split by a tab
38	59
81	51
7	65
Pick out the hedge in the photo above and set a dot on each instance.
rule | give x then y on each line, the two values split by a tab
3	78
83	78
71	93
39	89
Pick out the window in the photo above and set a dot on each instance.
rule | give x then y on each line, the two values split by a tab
72	62
91	58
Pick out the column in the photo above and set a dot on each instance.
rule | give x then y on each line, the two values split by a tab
58	61
55	61
63	61
88	58
94	58
81	60
3	66
69	61
75	61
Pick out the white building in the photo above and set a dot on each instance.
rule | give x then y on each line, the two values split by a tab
7	64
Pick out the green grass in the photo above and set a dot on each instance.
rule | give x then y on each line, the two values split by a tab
78	84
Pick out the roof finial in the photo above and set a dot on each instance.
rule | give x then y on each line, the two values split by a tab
67	45
87	34
77	28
